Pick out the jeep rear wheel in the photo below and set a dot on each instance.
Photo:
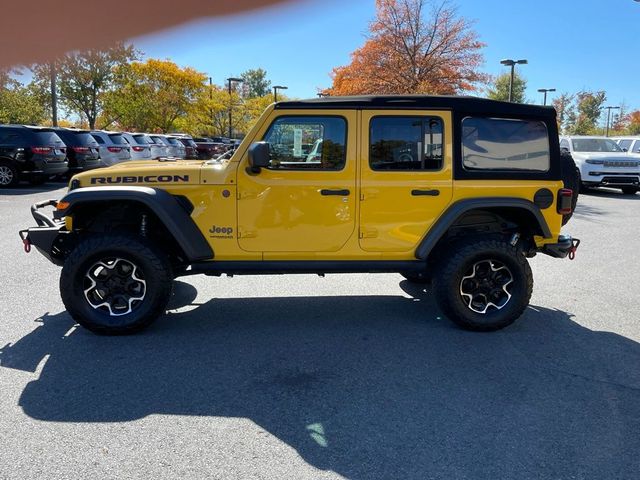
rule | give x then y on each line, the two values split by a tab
115	284
483	285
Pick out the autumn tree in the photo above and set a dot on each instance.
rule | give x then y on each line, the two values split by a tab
634	123
84	78
500	88
565	110
620	120
413	46
256	83
589	107
152	95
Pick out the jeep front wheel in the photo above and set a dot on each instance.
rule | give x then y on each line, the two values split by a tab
115	284
483	285
630	190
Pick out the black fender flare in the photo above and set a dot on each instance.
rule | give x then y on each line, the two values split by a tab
451	214
164	205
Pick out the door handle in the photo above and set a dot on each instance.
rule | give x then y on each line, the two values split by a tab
427	193
340	193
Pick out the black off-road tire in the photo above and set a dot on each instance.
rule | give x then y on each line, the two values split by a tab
154	268
422	278
571	179
10	176
459	260
630	190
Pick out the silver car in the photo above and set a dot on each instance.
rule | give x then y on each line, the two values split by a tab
179	150
113	147
167	150
140	148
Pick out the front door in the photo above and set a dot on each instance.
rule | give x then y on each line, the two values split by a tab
406	177
305	200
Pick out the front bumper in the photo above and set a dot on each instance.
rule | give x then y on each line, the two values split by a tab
49	237
565	247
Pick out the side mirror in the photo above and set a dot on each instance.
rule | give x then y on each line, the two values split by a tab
564	150
625	150
259	156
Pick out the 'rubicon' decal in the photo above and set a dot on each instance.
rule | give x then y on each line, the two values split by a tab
141	179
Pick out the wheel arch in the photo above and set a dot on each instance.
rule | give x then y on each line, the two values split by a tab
170	211
484	215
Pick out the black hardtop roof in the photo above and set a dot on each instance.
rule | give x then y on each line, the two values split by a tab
466	104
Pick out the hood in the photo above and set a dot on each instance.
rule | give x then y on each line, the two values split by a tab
607	156
144	172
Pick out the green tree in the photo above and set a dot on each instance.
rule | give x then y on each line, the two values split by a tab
152	95
19	103
256	83
500	88
589	108
85	77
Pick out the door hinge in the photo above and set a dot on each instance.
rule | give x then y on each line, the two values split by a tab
247	233
368	233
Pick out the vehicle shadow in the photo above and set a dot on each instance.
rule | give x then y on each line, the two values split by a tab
366	386
25	188
608	193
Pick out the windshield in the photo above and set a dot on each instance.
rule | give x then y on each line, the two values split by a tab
595	145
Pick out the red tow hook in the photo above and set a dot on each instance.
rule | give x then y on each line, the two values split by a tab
26	243
574	247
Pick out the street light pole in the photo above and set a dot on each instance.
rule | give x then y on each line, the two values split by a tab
229	80
275	91
545	90
512	63
609	117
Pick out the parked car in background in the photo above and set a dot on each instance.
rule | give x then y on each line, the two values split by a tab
167	150
177	148
191	148
32	153
140	148
631	145
158	148
83	151
602	163
208	148
113	147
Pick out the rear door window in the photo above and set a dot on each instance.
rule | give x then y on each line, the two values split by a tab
406	143
505	145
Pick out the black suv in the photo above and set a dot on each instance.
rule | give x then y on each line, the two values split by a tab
34	153
191	147
82	149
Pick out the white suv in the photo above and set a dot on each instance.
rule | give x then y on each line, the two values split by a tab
602	163
113	147
631	145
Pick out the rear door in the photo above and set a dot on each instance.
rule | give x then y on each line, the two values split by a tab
406	177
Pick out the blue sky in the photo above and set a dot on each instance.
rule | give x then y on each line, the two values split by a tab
571	45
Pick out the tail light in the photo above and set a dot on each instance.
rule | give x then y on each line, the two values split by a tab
81	149
114	149
565	197
41	150
138	149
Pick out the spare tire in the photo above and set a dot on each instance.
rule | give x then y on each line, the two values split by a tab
571	180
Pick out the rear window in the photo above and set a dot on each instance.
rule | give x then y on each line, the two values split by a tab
141	140
118	139
83	139
47	138
505	144
98	139
173	141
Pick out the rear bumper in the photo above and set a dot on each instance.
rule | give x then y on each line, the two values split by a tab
565	247
55	168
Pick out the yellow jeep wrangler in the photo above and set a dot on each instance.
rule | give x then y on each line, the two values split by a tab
458	191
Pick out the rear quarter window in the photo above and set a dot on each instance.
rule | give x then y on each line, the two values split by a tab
505	145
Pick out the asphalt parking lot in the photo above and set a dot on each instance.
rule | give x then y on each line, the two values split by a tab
353	376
